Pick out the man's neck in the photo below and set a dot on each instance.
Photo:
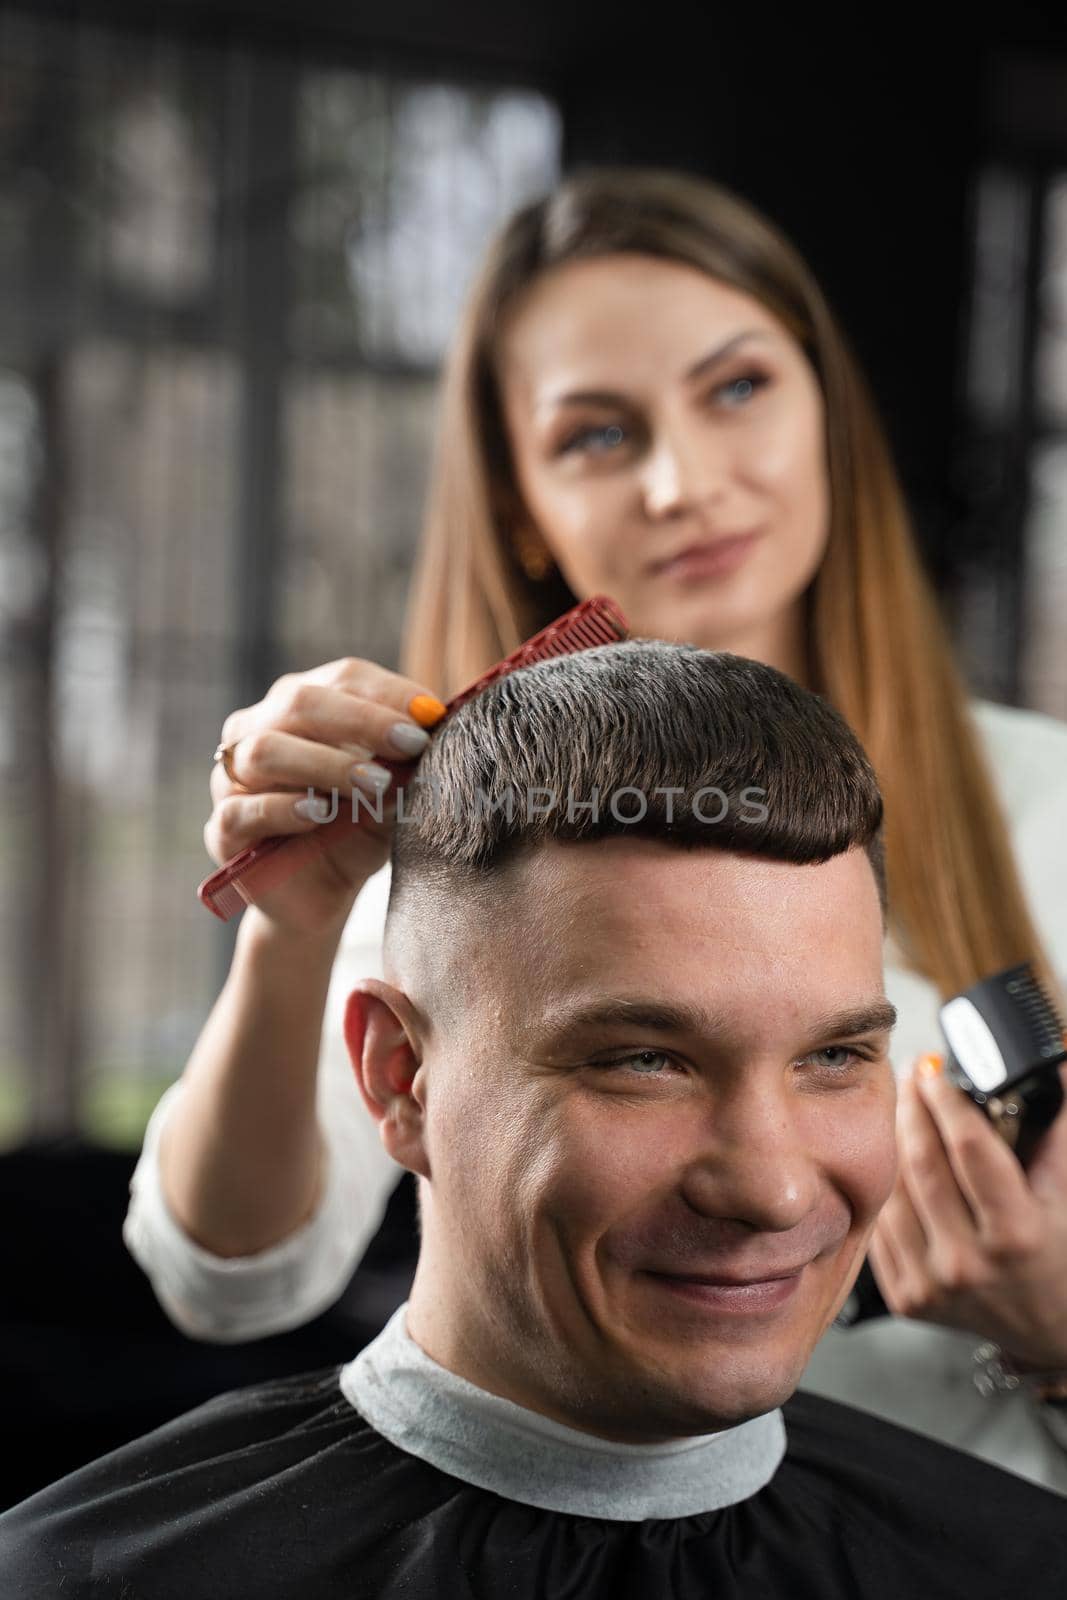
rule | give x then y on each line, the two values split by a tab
520	1454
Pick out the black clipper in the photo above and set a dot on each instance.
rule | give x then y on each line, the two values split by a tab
1005	1042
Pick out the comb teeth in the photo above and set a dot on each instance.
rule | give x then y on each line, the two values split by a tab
225	902
594	622
563	643
585	633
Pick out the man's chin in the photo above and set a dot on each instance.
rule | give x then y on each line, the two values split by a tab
737	1401
732	1373
682	1403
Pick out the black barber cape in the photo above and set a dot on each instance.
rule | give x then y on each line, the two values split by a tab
286	1491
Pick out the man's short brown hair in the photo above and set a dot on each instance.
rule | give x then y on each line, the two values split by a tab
696	748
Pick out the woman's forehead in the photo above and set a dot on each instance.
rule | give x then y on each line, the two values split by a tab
589	321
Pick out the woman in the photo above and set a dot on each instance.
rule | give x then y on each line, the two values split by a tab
647	397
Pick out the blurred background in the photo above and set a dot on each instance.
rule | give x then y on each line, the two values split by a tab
233	241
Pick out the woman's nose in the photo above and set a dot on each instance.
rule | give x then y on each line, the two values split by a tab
682	474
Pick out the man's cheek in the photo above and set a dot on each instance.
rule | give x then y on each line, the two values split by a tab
873	1172
861	1145
601	1198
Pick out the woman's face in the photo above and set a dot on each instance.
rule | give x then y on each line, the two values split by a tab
668	439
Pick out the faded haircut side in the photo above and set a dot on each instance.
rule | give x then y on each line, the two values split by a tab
695	748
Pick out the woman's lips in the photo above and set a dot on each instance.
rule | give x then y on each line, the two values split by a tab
712	559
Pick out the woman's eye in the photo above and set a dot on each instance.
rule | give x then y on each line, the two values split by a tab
594	441
740	390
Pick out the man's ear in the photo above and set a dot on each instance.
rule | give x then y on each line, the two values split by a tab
385	1054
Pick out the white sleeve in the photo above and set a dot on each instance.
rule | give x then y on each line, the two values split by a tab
1027	754
229	1299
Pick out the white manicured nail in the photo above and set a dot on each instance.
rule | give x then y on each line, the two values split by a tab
316	810
370	776
410	740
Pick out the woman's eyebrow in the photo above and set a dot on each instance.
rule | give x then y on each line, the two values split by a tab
611	397
580	397
713	357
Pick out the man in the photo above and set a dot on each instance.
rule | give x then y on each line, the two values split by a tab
633	1041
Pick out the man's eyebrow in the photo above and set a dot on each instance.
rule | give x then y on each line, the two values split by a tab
610	397
657	1016
878	1017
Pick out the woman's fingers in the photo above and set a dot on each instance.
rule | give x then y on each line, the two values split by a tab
240	820
319	704
273	760
986	1173
926	1168
1047	1171
324	765
329	735
327	717
355	675
965	1239
308	734
354	699
887	1265
898	1255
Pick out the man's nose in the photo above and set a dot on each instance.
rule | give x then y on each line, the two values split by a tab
755	1166
683	471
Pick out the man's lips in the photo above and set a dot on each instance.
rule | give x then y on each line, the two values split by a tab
730	1294
730	1280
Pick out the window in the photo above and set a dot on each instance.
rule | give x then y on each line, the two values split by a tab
1012	466
226	284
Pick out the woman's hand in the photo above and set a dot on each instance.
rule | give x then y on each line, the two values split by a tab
318	730
968	1238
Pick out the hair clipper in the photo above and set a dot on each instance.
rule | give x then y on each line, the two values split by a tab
1005	1044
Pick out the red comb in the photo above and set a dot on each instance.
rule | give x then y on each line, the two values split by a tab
262	867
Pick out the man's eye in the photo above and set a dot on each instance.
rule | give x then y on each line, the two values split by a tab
646	1063
846	1055
594	441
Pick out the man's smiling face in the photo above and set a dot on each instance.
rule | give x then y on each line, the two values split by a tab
657	1122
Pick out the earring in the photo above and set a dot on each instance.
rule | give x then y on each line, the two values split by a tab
533	556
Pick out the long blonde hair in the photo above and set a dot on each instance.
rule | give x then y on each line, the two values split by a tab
879	650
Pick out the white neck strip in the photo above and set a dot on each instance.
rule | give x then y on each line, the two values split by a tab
494	1444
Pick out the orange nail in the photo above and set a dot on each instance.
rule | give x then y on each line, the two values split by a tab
929	1066
426	709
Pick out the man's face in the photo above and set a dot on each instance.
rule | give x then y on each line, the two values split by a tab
658	1130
